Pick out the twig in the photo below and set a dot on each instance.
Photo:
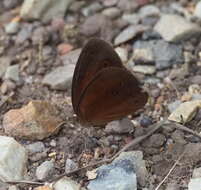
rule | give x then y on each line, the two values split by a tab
172	168
24	182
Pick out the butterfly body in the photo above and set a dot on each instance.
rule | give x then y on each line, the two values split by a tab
103	89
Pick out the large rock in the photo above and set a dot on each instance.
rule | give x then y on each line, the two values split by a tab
13	158
37	120
174	28
44	10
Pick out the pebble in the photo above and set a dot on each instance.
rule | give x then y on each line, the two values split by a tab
145	121
10	4
197	173
165	54
67	183
144	55
45	170
60	78
194	184
98	24
178	137
12	73
112	12
24	34
71	57
123	53
174	28
121	126
173	105
185	112
109	3
149	11
91	9
12	27
196	79
40	35
131	18
197	11
155	141
172	186
13	187
35	121
127	5
4	64
145	69
70	165
13	159
53	143
129	33
35	147
33	10
64	48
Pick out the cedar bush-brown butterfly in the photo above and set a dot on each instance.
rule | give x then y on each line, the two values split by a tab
102	88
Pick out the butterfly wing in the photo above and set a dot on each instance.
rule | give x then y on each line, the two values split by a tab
112	94
96	55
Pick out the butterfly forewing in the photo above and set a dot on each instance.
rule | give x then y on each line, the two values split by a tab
95	56
112	94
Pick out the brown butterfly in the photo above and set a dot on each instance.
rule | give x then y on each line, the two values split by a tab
102	88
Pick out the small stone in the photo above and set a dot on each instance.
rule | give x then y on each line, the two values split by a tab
155	141
197	173
145	121
128	5
178	137
71	57
123	53
4	64
37	120
12	27
109	3
131	18
149	11
45	11
40	35
35	147
12	73
144	55
174	28
194	184
197	11
13	159
53	143
67	183
196	79
185	112
13	187
24	34
45	170
129	33
172	186
64	48
92	9
173	105
112	12
145	69
60	78
121	126
70	165
10	4
44	187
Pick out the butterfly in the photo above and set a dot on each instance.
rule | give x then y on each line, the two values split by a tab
103	90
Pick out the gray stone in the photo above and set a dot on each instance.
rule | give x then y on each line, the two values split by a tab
71	57
121	126
173	105
92	9
144	55
10	4
197	11
45	170
174	28
13	159
24	34
129	33
152	80
67	183
44	10
12	73
123	53
197	173
60	78
70	165
149	11
131	18
172	186
165	54
12	27
178	137
13	187
4	64
112	12
35	147
194	184
155	141
145	69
